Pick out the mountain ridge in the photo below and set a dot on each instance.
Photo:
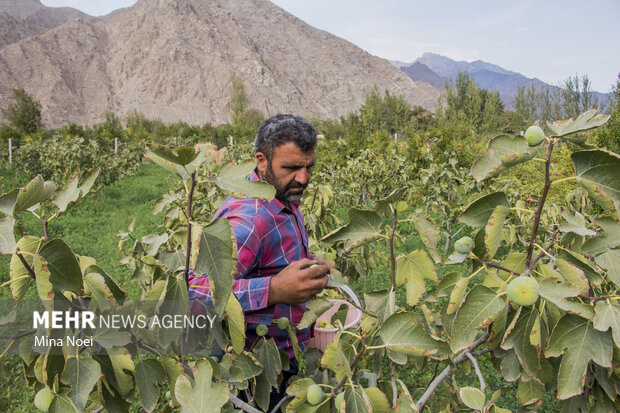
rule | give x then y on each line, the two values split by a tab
174	60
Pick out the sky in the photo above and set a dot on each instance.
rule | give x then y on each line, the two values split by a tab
548	39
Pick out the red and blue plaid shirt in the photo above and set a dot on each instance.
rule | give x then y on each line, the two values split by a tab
270	236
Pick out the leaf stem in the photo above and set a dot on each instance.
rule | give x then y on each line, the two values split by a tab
569	178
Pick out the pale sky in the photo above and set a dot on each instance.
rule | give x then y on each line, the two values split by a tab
547	39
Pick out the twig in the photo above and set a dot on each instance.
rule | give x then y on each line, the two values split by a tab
190	198
356	306
26	265
499	267
46	234
394	388
237	402
392	259
353	365
281	402
541	204
483	385
542	253
446	372
594	299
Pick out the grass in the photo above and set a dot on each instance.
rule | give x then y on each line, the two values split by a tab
90	229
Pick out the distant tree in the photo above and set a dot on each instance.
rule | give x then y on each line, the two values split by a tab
25	114
109	129
609	135
245	121
468	104
577	96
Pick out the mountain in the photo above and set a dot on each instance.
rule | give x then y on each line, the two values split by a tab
420	72
486	75
35	13
174	60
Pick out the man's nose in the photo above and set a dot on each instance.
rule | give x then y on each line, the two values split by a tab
303	176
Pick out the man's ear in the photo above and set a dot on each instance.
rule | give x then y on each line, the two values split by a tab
261	163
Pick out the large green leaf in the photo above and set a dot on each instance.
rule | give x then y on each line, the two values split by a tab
148	374
519	338
530	392
236	323
457	294
363	226
610	261
117	367
173	368
598	171
503	151
429	235
233	179
181	156
35	192
580	343
154	241
268	355
356	400
477	213
67	195
338	357
17	270
574	276
608	315
81	373
558	294
581	262
494	229
7	237
610	238
575	223
413	269
478	309
62	404
110	283
472	397
381	303
403	334
203	396
63	265
217	257
7	201
585	121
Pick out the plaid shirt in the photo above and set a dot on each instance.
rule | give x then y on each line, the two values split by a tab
270	236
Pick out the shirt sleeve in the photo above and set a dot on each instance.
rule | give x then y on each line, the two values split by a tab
252	293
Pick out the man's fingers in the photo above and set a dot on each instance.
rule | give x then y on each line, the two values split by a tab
306	262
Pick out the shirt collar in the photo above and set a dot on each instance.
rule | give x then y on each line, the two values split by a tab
275	205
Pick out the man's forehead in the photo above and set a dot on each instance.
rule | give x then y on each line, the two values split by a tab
291	152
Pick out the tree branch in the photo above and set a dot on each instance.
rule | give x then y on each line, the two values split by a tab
190	199
483	385
353	365
546	250
237	402
26	265
446	372
499	267
538	213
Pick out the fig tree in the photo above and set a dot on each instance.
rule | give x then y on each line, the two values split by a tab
464	245
534	135
523	290
43	399
315	394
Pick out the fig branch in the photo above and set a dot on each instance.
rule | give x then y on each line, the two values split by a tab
538	213
446	372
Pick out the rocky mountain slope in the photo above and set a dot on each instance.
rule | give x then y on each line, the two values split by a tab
174	59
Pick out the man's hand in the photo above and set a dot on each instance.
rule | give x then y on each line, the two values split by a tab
298	283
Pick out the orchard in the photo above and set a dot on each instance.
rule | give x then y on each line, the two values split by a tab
529	287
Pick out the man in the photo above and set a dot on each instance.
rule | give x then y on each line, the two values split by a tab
275	279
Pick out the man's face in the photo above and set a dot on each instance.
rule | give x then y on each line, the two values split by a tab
289	171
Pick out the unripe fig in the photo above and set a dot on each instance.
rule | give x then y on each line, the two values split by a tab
261	330
464	245
534	135
523	291
401	206
283	323
43	399
315	394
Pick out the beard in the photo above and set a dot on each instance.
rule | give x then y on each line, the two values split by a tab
285	193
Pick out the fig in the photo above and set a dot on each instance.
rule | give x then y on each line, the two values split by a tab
261	330
534	135
315	394
43	399
283	323
523	290
464	245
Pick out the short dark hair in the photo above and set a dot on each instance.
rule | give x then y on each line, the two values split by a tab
281	129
